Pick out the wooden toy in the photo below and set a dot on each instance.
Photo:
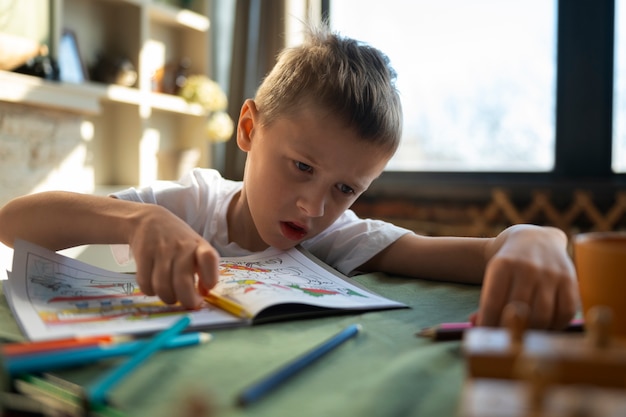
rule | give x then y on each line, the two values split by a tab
483	397
517	372
589	358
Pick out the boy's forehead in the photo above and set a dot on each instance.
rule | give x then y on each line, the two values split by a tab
315	126
329	144
308	116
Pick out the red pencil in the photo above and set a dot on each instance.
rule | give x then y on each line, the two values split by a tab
25	348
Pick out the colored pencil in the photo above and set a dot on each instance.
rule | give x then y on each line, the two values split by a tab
25	348
445	331
56	396
44	362
259	389
454	331
18	403
227	304
52	396
98	391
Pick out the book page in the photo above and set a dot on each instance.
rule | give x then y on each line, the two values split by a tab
274	277
53	296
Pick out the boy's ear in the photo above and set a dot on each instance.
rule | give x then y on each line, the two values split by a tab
245	126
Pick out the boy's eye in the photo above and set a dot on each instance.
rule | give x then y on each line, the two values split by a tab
345	189
303	167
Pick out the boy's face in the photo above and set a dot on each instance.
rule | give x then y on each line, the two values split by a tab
302	172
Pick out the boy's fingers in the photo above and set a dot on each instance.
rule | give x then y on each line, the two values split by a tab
473	318
144	275
523	288
162	276
541	311
567	303
207	263
186	291
183	282
493	298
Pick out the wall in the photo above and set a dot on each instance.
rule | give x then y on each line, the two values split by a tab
580	210
27	18
42	149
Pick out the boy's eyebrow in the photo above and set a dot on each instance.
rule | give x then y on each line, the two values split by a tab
360	186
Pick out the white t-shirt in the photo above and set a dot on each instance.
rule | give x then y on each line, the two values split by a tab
201	198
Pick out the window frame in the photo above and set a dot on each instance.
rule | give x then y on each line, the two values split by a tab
583	121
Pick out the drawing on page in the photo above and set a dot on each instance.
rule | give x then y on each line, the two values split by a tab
64	295
271	277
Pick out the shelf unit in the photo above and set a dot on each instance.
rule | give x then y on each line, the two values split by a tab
131	128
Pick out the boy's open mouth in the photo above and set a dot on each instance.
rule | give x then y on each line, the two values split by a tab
292	231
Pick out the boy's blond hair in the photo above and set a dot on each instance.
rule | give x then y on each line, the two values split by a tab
340	76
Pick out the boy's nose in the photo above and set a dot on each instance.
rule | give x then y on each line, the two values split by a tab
312	202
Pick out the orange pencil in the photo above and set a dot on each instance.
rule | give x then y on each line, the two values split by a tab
26	348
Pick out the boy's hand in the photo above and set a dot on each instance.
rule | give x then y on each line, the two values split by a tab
169	255
529	264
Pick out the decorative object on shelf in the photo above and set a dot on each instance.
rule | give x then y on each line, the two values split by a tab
71	66
114	69
219	127
16	51
171	78
205	92
202	90
42	66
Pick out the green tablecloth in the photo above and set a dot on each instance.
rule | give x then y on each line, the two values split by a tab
385	371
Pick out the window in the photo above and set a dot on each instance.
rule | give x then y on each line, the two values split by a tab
619	102
555	123
477	79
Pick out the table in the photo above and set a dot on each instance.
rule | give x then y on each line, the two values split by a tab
385	371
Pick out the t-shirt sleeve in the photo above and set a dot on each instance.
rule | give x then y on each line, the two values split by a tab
351	241
187	198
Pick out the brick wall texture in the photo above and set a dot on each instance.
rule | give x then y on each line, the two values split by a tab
41	149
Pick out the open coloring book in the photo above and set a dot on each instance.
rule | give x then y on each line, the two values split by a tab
53	296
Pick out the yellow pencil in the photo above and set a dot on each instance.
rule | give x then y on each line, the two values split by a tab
227	304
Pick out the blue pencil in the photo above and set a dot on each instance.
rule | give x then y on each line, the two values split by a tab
256	391
46	362
96	393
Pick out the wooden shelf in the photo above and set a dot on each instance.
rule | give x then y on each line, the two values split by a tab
86	98
168	102
26	89
173	16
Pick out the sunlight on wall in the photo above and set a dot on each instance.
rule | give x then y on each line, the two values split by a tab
148	149
71	174
43	149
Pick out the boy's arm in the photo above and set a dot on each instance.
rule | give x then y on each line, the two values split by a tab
58	220
523	263
168	253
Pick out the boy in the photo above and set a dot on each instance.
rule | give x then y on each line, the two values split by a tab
321	128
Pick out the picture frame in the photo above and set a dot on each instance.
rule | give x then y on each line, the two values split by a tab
71	66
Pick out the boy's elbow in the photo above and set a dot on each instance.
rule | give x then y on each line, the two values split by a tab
20	216
7	223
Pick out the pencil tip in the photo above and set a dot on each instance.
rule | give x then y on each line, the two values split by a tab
426	332
122	338
205	337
